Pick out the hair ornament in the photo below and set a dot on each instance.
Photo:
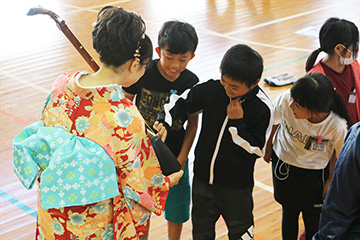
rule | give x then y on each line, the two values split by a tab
137	51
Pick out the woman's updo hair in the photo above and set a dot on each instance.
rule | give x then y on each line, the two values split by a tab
315	92
119	36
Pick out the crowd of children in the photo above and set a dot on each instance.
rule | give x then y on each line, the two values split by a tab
301	133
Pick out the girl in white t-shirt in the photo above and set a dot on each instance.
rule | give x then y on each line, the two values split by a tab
310	124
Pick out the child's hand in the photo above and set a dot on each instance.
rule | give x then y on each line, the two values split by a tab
162	132
235	110
269	144
268	152
267	158
175	177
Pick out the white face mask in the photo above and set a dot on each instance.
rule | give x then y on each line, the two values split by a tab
347	61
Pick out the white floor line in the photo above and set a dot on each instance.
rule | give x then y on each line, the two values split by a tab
93	8
283	19
209	32
14	77
228	35
265	187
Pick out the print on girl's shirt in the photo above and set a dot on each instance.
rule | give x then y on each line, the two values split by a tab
303	138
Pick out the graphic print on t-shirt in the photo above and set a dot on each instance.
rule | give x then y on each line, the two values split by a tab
150	103
297	134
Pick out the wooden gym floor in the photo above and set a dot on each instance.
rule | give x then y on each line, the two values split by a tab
33	52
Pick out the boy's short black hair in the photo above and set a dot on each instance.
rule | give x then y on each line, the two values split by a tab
243	64
179	37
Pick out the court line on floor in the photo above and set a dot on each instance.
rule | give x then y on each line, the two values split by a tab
282	19
286	63
227	35
16	118
19	204
216	34
264	186
94	8
23	81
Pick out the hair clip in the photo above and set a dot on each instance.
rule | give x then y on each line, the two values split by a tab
137	53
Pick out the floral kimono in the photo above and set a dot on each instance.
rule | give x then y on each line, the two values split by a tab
103	116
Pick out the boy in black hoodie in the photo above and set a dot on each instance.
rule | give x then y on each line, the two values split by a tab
236	122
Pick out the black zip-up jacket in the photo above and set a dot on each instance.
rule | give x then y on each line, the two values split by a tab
226	150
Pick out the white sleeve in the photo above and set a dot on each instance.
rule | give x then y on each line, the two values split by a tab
278	106
168	106
340	138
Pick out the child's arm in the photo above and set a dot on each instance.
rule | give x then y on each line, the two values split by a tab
333	160
192	104
269	144
129	96
189	137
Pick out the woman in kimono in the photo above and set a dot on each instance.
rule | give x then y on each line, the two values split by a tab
99	177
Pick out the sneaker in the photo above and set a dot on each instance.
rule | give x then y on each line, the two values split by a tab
275	76
280	80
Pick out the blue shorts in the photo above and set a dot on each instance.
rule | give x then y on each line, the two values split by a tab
177	208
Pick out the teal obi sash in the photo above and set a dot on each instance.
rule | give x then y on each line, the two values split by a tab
73	170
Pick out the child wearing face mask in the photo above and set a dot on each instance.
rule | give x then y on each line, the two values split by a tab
310	124
339	39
